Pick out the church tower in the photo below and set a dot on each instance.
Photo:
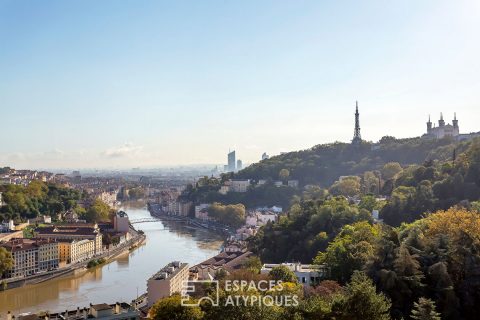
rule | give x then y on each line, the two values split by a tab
429	125
357	138
441	122
455	121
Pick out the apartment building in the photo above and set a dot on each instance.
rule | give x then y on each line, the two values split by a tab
167	281
239	185
75	231
32	256
72	251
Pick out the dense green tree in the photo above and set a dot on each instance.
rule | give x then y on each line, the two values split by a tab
253	264
361	301
324	164
232	215
6	261
283	273
99	211
390	170
306	230
371	182
424	309
347	186
350	250
369	203
313	192
37	198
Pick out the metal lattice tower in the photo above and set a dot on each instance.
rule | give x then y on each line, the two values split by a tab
357	138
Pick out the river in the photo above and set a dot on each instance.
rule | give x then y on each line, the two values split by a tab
121	279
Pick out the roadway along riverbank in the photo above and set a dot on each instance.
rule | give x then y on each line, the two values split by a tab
108	255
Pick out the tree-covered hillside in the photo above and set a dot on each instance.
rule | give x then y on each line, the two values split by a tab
323	164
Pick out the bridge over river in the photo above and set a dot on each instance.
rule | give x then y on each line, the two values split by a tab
143	220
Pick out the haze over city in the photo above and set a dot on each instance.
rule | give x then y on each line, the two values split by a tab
110	84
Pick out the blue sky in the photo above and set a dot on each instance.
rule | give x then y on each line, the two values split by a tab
149	83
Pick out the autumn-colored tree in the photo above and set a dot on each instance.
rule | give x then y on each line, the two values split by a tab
170	308
6	261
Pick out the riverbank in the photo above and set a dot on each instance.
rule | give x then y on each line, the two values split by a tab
156	211
108	255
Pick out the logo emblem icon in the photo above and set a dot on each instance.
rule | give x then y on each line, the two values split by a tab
189	287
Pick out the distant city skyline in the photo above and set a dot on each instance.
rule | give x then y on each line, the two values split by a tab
109	84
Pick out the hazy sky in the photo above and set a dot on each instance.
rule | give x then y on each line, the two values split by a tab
145	83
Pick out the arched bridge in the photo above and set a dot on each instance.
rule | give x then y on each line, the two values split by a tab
143	220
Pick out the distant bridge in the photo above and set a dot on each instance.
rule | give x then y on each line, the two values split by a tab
143	220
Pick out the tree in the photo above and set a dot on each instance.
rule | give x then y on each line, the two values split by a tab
348	186
390	170
283	273
284	174
232	214
99	211
350	250
361	301
424	309
306	230
136	193
313	192
6	261
371	182
253	264
170	308
368	203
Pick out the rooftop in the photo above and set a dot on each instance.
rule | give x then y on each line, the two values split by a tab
20	244
65	229
169	270
232	260
294	266
85	313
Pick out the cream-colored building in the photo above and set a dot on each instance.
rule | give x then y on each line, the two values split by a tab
79	231
31	256
307	274
167	281
72	251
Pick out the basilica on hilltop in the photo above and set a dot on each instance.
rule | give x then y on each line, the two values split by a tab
443	130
